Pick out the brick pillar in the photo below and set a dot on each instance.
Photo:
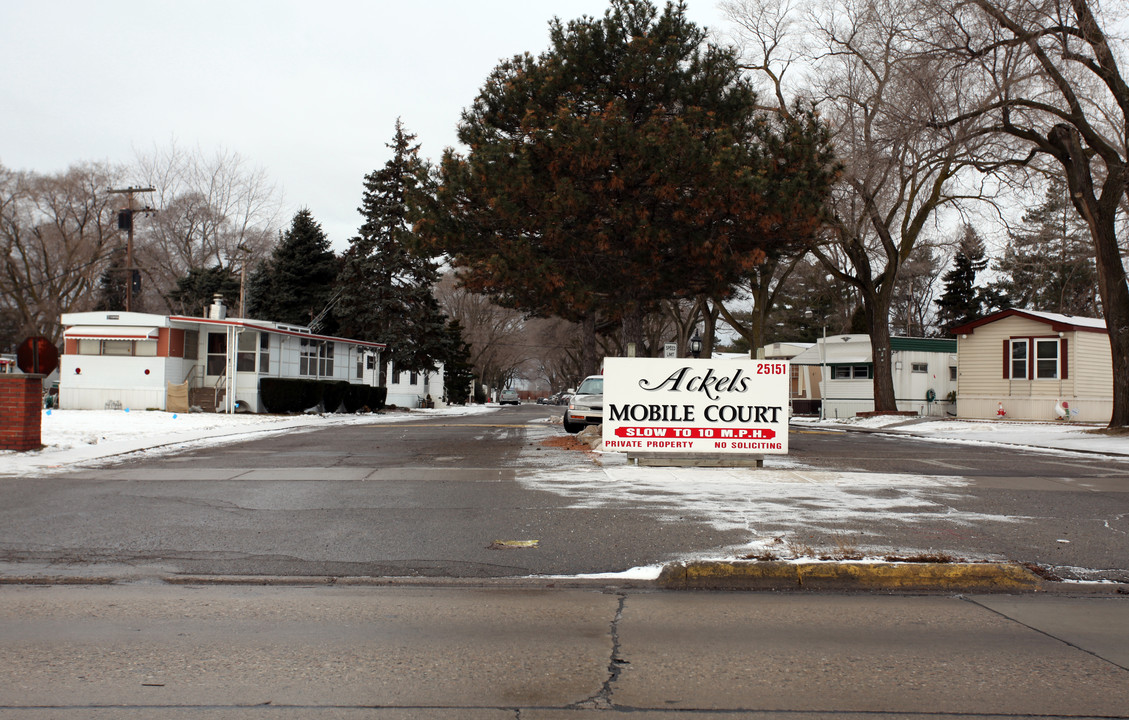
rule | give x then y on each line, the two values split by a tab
21	412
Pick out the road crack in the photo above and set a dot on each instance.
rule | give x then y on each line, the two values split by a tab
603	699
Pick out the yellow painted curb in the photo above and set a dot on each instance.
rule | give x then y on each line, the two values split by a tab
845	576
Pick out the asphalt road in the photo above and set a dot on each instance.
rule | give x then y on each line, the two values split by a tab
430	498
146	651
184	631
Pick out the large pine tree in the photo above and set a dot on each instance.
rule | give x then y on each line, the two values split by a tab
112	283
1048	264
295	285
962	301
625	166
196	290
385	287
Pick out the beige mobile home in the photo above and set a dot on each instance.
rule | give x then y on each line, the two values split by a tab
1034	366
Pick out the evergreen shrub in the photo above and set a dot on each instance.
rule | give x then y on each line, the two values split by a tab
294	395
290	395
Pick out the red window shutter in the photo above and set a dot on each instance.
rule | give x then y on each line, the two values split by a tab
1007	359
1064	365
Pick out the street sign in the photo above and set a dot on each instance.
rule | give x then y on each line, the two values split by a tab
715	407
37	356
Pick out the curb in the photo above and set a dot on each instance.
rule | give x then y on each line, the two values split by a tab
981	577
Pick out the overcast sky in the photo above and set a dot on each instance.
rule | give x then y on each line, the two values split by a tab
309	92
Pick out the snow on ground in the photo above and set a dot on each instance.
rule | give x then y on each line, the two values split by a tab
1082	437
81	438
775	505
783	503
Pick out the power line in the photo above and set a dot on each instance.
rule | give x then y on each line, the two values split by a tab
125	217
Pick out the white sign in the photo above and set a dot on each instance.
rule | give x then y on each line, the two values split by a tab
696	406
670	350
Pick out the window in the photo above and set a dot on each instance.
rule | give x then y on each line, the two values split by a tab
124	348
1046	359
192	344
415	377
952	373
217	354
308	357
245	352
919	367
117	347
315	358
264	353
145	348
850	372
325	356
1019	359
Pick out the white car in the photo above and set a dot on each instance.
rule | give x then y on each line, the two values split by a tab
586	407
509	397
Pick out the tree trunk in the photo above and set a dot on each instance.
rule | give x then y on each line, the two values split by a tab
1115	301
1100	214
709	328
632	326
877	312
589	362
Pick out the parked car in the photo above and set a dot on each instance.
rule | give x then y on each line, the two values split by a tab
586	407
509	397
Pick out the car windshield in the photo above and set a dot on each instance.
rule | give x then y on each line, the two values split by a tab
591	386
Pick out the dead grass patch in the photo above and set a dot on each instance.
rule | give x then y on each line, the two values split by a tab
565	442
1111	432
936	558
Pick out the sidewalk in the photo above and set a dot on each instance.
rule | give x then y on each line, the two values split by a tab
485	653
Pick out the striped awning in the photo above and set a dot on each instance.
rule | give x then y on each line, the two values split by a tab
110	332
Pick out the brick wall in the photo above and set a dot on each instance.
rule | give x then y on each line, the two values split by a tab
21	412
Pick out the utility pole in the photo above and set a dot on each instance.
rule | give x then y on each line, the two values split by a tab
125	218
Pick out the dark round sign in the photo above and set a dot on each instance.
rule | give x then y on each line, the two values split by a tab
37	356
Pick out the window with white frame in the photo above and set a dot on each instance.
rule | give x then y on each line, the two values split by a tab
264	352
138	348
217	354
850	372
325	358
1019	359
245	347
1046	359
308	357
919	367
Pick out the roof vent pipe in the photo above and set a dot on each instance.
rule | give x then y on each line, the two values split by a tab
217	310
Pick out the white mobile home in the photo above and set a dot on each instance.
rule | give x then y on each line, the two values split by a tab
139	360
924	370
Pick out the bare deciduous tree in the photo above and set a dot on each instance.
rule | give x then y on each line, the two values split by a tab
877	92
1047	74
56	236
494	334
212	212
